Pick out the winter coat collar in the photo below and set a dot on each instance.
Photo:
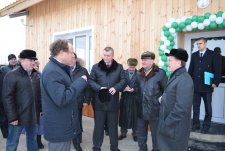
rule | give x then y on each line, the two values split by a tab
155	69
176	73
66	68
103	66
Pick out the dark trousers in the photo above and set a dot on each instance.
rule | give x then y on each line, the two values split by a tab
207	98
142	133
112	124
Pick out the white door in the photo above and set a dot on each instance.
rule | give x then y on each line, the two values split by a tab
215	39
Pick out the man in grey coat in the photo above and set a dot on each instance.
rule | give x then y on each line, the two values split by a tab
106	80
176	102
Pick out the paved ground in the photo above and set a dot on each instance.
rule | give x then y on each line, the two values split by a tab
126	144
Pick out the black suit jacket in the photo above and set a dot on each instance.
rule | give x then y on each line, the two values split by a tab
210	62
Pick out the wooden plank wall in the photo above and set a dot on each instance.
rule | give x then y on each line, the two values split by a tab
129	26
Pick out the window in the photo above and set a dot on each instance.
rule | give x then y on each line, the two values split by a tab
82	44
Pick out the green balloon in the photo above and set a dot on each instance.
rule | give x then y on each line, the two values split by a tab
201	19
165	28
168	73
181	25
166	63
213	25
164	68
220	26
207	28
195	29
207	15
166	33
195	18
223	23
164	58
219	14
169	47
188	21
170	38
161	42
172	43
161	53
174	25
178	29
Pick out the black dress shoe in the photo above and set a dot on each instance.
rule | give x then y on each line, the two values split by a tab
195	128
40	146
77	147
121	137
135	138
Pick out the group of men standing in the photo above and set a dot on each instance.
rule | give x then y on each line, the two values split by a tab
148	98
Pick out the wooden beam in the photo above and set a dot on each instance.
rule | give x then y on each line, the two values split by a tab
18	6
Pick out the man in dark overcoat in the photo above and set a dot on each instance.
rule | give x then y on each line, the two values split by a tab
3	119
106	80
77	70
128	106
21	94
151	82
203	60
175	110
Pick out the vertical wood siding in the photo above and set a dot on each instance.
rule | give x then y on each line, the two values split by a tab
129	26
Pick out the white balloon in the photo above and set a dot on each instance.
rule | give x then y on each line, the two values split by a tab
188	28
201	26
184	30
167	42
163	47
223	16
219	20
161	63
183	19
178	21
212	17
206	22
168	24
172	30
171	20
163	38
194	24
167	51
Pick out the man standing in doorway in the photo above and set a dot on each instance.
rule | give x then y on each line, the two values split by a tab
106	79
204	60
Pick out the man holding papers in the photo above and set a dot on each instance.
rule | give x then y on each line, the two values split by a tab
204	63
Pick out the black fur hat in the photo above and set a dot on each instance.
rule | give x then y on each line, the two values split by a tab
28	54
179	53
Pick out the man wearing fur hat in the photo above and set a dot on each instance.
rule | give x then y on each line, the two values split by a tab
21	95
151	82
106	80
3	119
175	110
128	108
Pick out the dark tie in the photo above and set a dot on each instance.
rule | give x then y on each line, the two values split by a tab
201	55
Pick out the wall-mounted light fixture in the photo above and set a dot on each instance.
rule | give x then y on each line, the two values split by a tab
203	3
22	21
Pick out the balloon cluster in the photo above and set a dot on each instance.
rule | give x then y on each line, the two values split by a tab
194	23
